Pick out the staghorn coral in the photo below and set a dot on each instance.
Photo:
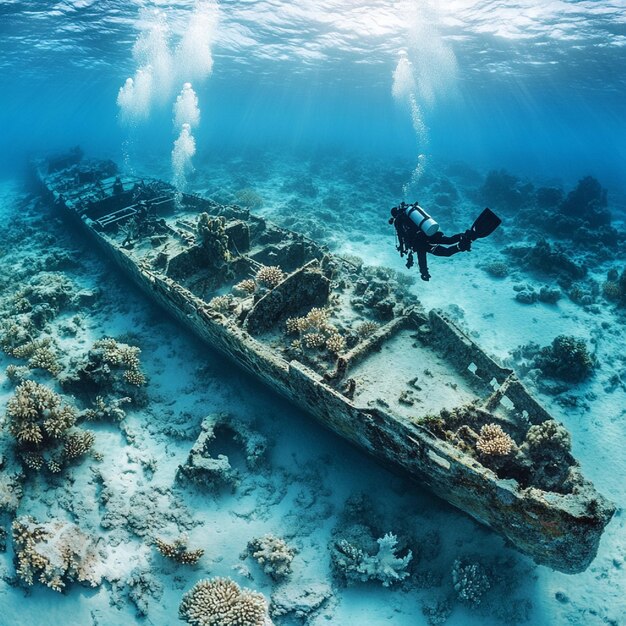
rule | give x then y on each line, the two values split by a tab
54	553
78	444
313	340
470	582
315	332
493	441
36	414
273	554
45	358
269	276
178	551
17	373
221	602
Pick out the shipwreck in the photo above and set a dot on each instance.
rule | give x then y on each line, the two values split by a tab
352	347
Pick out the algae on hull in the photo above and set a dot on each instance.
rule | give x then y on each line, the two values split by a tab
290	313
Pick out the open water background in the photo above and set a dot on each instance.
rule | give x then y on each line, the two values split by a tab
536	87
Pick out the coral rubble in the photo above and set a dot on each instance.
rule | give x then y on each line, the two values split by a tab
54	553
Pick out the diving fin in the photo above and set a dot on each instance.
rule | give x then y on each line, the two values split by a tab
485	224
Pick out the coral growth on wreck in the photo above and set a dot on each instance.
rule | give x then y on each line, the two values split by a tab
213	239
492	440
315	332
54	554
269	276
221	602
273	554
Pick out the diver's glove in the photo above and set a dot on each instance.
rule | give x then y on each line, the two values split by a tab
425	276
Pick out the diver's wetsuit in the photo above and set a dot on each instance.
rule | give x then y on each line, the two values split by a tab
433	244
412	239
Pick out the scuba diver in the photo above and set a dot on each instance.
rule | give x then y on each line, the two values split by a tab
417	232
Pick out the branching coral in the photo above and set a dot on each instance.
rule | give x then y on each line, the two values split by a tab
41	423
221	303
548	438
356	564
245	288
110	368
54	553
221	602
37	414
269	276
367	328
493	441
178	551
273	554
315	331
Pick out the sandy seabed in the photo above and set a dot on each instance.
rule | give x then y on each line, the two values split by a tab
310	484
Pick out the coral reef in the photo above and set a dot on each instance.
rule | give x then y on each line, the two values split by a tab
503	191
178	550
221	303
54	553
470	582
497	269
355	564
546	258
273	554
221	602
111	369
567	359
42	425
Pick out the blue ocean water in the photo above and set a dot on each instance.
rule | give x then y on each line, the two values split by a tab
533	87
363	101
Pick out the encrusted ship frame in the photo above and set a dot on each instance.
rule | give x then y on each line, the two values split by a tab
407	386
